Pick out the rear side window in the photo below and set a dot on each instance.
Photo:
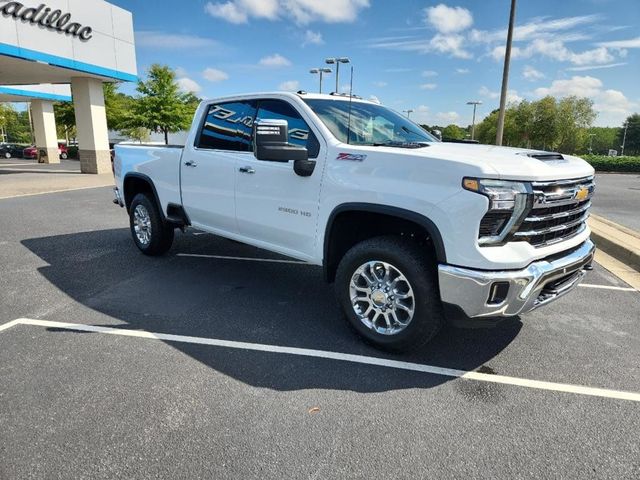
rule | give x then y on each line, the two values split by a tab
228	126
299	131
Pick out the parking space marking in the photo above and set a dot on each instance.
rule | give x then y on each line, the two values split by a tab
56	191
608	287
248	259
345	357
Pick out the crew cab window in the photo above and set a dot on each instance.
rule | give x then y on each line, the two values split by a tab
299	131
228	126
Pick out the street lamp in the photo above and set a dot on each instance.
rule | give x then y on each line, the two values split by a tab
505	75
321	71
408	112
337	61
624	138
591	135
475	103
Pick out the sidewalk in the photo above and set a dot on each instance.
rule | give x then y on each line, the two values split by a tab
20	177
621	248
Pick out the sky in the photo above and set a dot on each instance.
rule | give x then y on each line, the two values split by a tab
430	57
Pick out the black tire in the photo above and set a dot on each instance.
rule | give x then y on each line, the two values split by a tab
7	155
160	234
418	267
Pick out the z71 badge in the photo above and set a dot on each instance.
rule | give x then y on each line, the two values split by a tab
354	157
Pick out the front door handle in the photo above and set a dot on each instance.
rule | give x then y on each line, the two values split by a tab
190	163
247	170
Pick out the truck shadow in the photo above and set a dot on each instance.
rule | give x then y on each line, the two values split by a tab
248	301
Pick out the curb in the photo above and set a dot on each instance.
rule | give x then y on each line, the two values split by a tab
620	242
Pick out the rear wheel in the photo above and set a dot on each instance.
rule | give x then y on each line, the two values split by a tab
150	234
388	289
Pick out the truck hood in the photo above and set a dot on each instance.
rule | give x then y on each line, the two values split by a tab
509	163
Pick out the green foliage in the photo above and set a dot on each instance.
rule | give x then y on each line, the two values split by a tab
15	124
453	132
603	163
65	119
601	140
546	124
139	134
161	106
632	142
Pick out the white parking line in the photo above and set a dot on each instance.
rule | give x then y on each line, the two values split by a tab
248	259
345	357
608	287
56	191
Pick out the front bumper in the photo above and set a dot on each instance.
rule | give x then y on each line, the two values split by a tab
472	293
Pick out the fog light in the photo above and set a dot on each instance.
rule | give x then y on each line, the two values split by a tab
498	293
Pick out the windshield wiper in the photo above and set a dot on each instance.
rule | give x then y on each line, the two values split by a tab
395	143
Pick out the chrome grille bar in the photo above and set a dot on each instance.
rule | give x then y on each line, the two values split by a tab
560	211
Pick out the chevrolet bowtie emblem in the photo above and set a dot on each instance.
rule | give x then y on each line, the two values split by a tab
582	194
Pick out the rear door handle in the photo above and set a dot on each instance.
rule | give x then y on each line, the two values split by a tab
190	163
247	170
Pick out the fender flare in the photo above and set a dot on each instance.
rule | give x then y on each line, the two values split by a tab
147	180
425	222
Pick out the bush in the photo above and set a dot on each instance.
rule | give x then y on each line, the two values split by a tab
603	163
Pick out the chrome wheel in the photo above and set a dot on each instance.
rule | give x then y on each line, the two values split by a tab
382	297
142	224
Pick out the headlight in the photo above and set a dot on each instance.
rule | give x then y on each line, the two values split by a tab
509	203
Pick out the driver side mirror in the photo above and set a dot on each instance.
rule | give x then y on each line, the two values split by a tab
271	143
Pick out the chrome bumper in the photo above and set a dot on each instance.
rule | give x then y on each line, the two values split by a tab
473	291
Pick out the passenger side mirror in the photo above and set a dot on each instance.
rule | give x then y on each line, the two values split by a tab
271	142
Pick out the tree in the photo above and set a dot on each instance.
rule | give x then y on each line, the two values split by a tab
453	132
15	124
65	119
632	142
600	140
574	116
161	106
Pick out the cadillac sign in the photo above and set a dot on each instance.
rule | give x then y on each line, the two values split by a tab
47	18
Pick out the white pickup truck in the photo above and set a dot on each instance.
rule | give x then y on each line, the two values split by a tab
413	231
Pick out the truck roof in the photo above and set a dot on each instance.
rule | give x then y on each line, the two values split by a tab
300	94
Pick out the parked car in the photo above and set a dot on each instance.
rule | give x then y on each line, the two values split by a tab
63	151
10	150
413	231
32	152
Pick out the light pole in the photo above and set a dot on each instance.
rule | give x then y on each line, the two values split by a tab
624	138
408	112
337	61
591	135
475	103
321	71
505	75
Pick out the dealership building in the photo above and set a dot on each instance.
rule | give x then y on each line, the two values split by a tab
62	50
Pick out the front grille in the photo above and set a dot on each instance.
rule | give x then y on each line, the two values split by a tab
558	213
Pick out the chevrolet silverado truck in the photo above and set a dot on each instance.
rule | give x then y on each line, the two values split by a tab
413	231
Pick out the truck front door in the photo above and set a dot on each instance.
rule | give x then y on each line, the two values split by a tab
274	206
209	167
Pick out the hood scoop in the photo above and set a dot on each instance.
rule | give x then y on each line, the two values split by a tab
545	156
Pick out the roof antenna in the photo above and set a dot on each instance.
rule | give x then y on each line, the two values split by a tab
350	98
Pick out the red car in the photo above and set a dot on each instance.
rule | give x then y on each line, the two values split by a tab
32	152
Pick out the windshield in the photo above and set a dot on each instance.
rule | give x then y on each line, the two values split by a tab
370	124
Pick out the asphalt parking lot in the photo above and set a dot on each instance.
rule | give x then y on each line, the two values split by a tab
618	198
216	391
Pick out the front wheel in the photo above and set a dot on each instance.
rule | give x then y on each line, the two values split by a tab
388	289
150	234
7	155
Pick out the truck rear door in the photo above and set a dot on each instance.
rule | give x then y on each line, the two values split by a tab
209	166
